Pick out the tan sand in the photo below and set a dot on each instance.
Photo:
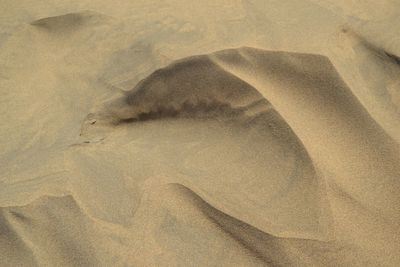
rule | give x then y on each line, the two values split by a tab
199	133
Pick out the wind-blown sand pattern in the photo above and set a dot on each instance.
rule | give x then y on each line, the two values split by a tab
220	133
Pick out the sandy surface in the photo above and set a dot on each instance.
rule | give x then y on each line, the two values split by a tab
199	133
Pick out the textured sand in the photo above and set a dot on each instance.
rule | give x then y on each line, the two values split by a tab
199	133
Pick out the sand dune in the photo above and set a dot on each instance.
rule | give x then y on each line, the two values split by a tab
220	134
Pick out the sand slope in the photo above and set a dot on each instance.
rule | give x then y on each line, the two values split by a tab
137	136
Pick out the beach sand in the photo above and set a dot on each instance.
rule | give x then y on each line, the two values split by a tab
199	133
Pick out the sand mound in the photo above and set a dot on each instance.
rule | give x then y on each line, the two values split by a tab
301	103
65	23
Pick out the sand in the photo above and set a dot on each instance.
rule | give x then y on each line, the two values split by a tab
199	133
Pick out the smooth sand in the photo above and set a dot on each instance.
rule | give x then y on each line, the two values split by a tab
199	133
